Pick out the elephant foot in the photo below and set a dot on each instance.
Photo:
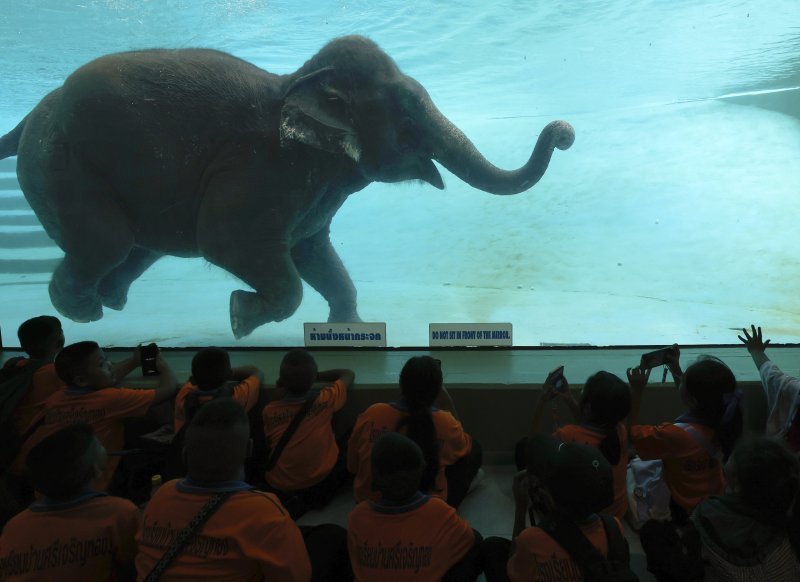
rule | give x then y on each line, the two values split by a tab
78	305
247	313
112	297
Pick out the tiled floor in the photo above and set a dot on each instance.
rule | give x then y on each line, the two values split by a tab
489	508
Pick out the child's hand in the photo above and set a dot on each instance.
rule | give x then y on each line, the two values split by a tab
161	364
755	342
638	378
550	391
520	487
673	358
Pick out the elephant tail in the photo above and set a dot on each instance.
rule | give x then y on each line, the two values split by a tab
10	141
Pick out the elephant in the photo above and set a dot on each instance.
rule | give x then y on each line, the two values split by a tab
197	153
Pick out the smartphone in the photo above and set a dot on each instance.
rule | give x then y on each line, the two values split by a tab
556	378
149	355
655	358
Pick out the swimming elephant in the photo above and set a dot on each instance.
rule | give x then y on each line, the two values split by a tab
195	152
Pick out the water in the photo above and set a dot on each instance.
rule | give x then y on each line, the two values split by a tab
672	218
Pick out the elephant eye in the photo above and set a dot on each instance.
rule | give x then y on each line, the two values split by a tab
332	95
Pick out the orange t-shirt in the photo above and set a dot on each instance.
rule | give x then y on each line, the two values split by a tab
76	541
454	444
538	557
421	540
586	435
249	537
692	475
44	383
103	409
312	451
245	393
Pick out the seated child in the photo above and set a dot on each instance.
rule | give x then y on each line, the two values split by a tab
211	370
604	404
427	415
92	396
695	446
41	338
407	535
311	467
250	536
567	484
747	535
73	533
782	390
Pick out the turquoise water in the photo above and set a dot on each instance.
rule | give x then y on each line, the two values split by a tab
672	218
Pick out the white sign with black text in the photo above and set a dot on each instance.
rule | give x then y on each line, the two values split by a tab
470	334
345	335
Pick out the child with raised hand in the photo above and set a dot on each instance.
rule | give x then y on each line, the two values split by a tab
406	534
748	533
73	532
311	467
92	395
694	446
604	404
427	415
782	390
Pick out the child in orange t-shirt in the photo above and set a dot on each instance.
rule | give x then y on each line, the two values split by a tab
693	458
211	370
249	537
311	467
407	535
73	533
41	338
92	396
567	484
427	415
604	404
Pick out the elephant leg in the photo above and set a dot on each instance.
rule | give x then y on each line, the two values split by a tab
113	288
95	238
320	266
261	261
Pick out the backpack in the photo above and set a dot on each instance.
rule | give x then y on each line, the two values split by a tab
595	568
174	465
14	383
649	496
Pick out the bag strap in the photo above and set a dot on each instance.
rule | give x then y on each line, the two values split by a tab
186	534
580	549
618	550
289	432
710	449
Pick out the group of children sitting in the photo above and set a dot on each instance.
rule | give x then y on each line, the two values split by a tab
247	469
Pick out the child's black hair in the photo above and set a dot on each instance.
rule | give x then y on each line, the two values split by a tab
420	383
36	334
211	368
298	371
609	399
397	464
71	361
713	386
216	441
60	466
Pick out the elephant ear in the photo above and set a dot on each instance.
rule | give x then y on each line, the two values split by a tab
316	114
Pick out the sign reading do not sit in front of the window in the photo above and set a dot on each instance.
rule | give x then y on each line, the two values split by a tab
470	334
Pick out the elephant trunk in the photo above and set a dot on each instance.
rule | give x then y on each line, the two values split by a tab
456	152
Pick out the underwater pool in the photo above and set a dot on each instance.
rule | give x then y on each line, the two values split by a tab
672	218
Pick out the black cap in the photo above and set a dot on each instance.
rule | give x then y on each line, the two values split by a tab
578	477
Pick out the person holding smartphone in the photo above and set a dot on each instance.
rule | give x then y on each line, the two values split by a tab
599	414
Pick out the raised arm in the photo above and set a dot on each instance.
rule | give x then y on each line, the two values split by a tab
167	384
756	345
637	378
